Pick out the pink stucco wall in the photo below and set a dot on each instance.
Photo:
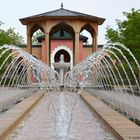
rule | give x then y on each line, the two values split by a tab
56	43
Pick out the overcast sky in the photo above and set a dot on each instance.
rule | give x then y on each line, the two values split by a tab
12	10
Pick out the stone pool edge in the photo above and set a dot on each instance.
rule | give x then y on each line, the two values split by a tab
10	119
121	127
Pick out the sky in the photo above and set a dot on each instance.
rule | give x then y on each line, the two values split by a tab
12	10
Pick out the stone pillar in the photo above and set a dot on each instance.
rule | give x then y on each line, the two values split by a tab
77	57
81	51
29	43
47	42
43	52
94	43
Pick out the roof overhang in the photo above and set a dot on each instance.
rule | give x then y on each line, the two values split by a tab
62	14
25	21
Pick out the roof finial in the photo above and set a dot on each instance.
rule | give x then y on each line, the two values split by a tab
61	4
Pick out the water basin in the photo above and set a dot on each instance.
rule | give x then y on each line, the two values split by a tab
61	116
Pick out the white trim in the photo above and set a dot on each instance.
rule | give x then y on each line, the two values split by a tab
60	48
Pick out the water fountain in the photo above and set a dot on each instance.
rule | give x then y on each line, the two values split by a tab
65	115
62	68
21	75
106	74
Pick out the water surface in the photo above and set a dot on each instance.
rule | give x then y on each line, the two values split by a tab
61	116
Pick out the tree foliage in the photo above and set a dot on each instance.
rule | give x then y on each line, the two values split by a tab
10	37
127	33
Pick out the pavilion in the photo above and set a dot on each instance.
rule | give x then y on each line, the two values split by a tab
62	28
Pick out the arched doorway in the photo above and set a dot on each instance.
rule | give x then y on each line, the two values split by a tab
65	53
66	58
62	37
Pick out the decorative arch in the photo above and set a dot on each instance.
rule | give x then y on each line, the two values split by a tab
62	26
69	29
35	27
91	28
31	28
62	47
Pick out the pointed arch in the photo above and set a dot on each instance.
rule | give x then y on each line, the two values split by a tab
93	32
36	27
62	26
88	28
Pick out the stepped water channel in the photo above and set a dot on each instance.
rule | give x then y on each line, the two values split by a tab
62	114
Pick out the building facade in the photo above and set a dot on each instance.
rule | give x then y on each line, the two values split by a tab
62	30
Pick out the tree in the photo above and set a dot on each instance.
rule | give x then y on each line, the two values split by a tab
128	32
10	37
